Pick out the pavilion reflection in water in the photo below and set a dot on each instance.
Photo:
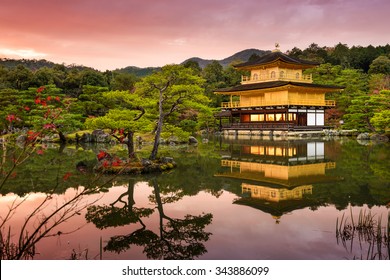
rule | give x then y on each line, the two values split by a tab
278	176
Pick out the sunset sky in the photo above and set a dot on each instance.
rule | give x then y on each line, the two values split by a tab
110	34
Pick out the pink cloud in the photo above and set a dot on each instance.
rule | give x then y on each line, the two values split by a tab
110	34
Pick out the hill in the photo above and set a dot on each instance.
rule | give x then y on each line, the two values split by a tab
35	64
137	71
241	56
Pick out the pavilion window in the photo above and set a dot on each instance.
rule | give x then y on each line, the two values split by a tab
257	150
273	74
292	151
270	151
279	151
311	119
279	117
255	77
281	74
270	117
292	116
297	76
257	118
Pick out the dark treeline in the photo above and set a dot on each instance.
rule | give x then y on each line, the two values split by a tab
70	79
23	74
356	57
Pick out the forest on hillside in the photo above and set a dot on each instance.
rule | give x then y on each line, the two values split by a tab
90	99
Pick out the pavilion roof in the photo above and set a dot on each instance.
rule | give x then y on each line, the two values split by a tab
276	209
274	57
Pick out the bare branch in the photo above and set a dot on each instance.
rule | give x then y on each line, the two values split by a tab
139	108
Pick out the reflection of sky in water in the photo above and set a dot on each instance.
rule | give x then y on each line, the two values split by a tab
265	210
238	232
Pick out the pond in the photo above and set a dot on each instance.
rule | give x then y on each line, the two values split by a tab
230	199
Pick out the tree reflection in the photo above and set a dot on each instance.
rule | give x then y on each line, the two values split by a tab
113	216
176	238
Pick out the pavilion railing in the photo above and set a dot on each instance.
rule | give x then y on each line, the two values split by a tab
289	102
276	76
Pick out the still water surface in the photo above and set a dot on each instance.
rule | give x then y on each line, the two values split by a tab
227	199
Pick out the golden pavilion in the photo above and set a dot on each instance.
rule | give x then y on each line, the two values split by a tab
277	95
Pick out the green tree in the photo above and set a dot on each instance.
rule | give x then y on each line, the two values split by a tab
362	57
92	101
378	82
381	121
38	108
93	78
10	104
232	76
380	65
213	73
315	53
72	83
295	52
194	65
354	81
51	111
123	81
43	76
4	83
20	77
174	89
363	108
123	120
340	55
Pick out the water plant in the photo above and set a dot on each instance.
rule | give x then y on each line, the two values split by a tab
367	232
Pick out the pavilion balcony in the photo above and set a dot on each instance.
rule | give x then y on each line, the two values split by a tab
234	104
261	126
289	126
290	102
276	77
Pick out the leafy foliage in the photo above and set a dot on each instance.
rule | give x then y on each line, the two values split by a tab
366	108
361	70
123	119
175	88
